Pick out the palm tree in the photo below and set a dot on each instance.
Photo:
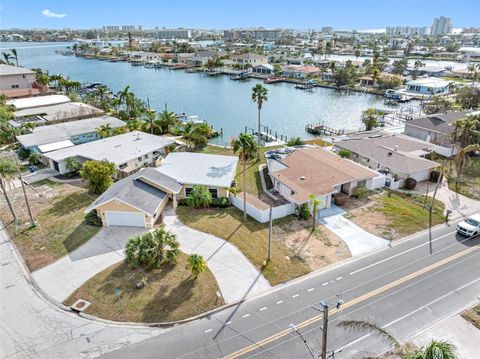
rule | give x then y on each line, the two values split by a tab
15	55
127	97
150	122
199	197
8	169
6	58
371	327
196	264
134	125
315	203
104	131
438	350
246	147
370	118
166	120
259	95
461	159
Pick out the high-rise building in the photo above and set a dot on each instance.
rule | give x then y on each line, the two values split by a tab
129	28
441	26
327	30
111	29
252	34
406	30
171	34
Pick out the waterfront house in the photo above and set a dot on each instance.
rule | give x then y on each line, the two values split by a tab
264	69
18	82
431	71
395	155
139	199
436	129
48	138
301	72
40	101
428	86
249	58
297	173
366	81
129	152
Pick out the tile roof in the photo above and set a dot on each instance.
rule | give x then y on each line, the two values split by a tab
317	171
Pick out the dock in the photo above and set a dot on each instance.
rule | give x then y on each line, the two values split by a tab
321	129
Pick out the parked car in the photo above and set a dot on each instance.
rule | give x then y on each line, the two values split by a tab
470	226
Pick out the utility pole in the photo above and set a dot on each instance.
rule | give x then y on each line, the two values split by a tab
270	236
325	329
32	221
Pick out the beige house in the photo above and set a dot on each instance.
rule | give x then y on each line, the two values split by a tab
139	199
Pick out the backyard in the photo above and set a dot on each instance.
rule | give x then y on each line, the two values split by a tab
170	293
296	250
60	225
469	183
378	213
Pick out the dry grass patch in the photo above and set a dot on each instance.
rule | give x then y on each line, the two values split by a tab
170	293
58	212
472	315
251	238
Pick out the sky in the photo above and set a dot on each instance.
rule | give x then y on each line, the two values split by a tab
220	14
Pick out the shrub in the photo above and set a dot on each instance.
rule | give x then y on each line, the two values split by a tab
34	158
359	192
345	153
340	199
295	141
183	202
199	197
221	202
410	183
23	153
304	211
434	176
92	219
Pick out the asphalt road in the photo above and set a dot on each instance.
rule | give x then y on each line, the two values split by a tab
405	289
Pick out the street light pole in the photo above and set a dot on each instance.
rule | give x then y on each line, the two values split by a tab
294	328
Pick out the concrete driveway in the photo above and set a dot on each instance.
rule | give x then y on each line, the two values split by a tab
236	276
357	239
61	278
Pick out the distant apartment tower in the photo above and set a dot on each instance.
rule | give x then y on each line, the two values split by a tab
327	30
253	34
129	28
111	29
471	30
171	34
406	30
441	26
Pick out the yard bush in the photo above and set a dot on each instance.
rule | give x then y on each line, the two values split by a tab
410	183
23	153
221	202
199	197
345	153
434	176
359	192
295	141
304	211
340	199
92	219
183	202
34	158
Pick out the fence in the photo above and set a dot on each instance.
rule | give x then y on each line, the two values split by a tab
262	214
378	181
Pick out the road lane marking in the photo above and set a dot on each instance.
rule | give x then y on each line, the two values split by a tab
208	331
309	290
263	308
351	303
245	316
280	302
295	295
399	254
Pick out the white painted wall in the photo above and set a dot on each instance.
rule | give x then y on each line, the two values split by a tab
421	175
262	216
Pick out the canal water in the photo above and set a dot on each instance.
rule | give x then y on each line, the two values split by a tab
224	103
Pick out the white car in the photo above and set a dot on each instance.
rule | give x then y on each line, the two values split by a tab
470	226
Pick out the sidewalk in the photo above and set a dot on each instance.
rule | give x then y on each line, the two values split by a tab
357	239
63	277
237	277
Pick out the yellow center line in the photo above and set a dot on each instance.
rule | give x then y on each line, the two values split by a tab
351	303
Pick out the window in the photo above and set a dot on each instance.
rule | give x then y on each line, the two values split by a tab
188	191
214	192
122	166
14	86
361	184
146	156
139	159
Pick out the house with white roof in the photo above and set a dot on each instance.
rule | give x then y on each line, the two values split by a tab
40	101
53	137
139	199
129	152
428	86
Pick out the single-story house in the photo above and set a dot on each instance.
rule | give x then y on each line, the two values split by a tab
395	155
299	172
436	128
300	71
428	86
139	199
264	69
129	152
366	81
249	58
432	71
48	115
40	101
53	137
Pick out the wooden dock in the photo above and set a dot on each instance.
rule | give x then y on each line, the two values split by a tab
321	129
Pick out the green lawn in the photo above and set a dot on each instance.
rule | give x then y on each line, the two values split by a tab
251	238
406	213
170	293
469	184
60	228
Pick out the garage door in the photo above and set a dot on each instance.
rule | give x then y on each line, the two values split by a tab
129	219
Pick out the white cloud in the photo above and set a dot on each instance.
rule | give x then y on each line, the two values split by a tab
49	13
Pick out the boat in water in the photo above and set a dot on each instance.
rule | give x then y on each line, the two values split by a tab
397	96
308	85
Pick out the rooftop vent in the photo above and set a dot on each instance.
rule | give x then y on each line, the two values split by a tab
302	178
395	148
